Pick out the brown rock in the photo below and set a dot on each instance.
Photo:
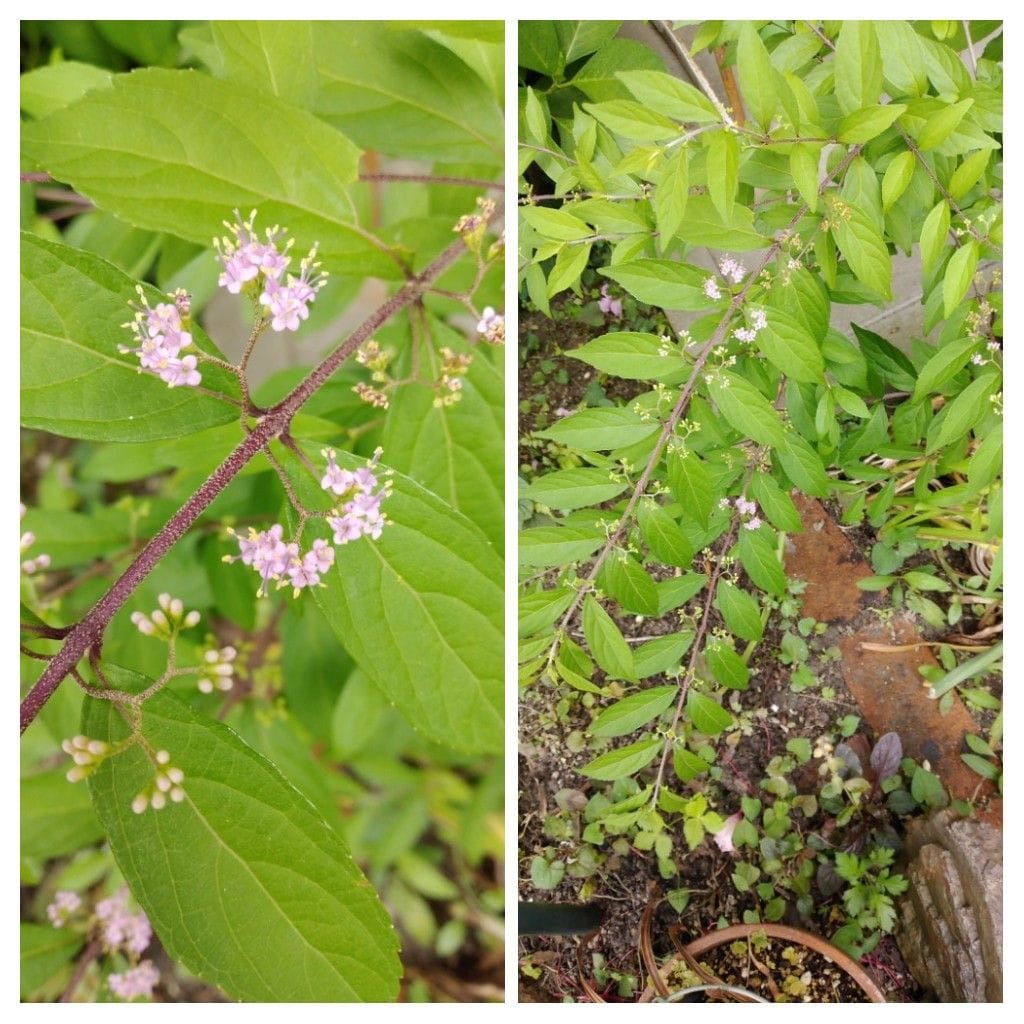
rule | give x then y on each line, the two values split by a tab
951	920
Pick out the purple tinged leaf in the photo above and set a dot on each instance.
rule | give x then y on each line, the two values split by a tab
886	757
849	757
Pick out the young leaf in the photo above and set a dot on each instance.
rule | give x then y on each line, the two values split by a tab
943	366
863	125
865	250
741	613
934	235
746	409
228	875
776	504
959	275
690	483
669	95
939	127
623	579
630	355
74	381
687	765
630	713
605	641
573	488
540	610
663	536
662	654
803	165
623	761
708	716
670	195
897	177
788	345
557	224
727	666
964	413
966	176
570	263
633	120
663	283
723	160
757	76
600	429
858	66
760	560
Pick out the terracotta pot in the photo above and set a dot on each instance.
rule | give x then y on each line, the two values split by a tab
785	933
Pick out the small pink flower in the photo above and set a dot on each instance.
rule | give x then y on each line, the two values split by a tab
711	289
753	524
609	305
176	372
492	326
723	837
732	270
64	904
137	982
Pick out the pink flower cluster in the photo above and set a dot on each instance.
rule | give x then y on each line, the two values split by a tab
758	322
120	929
732	270
136	982
161	333
244	258
360	513
64	904
745	508
273	558
492	326
607	304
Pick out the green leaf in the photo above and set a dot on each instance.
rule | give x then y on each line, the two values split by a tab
663	283
776	504
707	715
940	126
631	356
273	54
177	151
687	765
630	713
44	951
539	610
605	641
678	590
690	483
727	666
887	360
862	244
73	379
966	176
545	875
622	762
790	347
704	226
662	534
578	38
742	614
757	76
897	178
858	66
633	120
943	366
803	466
662	654
56	817
670	195
558	545
402	94
865	124
760	560
557	224
569	266
746	409
803	166
667	94
986	769
433	647
723	168
959	275
228	876
48	88
600	429
573	488
623	579
934	235
964	413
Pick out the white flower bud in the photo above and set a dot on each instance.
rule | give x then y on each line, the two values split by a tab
158	801
140	803
177	794
176	775
162	757
192	618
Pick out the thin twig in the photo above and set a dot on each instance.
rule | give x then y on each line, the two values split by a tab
33	176
90	953
821	35
435	179
664	29
971	60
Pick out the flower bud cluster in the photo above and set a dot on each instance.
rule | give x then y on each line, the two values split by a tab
88	754
121	930
758	322
36	562
161	334
64	905
246	259
749	509
166	621
166	785
472	226
137	982
218	670
454	367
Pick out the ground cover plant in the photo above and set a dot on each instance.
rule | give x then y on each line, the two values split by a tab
687	386
261	591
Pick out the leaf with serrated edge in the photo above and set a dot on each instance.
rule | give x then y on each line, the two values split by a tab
243	881
628	714
623	761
